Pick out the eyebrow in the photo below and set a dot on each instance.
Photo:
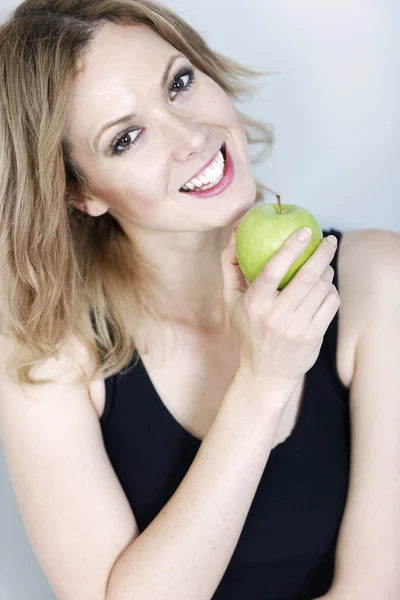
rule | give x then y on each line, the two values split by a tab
127	118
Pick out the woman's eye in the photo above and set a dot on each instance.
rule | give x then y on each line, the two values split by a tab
124	142
179	77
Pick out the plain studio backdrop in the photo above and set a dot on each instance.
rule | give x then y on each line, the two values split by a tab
333	101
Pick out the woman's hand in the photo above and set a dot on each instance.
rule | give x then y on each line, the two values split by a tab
281	332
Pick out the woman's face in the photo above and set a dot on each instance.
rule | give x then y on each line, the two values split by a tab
136	168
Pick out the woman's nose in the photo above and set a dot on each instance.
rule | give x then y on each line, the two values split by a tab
184	137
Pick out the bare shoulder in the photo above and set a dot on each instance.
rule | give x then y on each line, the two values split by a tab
74	367
365	256
73	361
361	259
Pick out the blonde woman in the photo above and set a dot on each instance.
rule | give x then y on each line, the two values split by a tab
171	431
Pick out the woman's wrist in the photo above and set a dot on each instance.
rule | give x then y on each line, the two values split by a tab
245	370
264	391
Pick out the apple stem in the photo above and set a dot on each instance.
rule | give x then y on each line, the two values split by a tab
279	203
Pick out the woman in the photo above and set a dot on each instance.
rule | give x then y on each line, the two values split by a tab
189	434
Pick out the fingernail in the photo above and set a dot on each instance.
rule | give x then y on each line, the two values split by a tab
332	239
304	234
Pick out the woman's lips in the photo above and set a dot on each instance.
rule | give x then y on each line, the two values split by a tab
229	172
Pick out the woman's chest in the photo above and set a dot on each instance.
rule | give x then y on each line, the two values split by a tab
192	383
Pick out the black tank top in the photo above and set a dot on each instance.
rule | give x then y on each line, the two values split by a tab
286	550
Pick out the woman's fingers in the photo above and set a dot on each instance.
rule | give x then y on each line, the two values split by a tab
307	277
265	286
314	299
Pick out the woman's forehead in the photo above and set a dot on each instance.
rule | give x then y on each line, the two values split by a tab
121	56
138	43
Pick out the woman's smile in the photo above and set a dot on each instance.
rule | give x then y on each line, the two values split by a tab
213	180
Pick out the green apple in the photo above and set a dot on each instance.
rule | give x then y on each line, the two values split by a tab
263	230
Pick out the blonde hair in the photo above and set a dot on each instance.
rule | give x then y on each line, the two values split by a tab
62	271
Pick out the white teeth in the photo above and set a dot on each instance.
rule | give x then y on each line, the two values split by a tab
211	176
213	173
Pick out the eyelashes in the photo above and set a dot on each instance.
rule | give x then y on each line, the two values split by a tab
116	143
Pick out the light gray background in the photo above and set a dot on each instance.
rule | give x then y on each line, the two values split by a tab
335	109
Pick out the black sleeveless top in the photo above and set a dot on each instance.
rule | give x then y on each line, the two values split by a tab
286	550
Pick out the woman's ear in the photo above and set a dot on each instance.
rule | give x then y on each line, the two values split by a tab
92	206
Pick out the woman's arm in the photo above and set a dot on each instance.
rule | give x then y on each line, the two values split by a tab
368	551
186	549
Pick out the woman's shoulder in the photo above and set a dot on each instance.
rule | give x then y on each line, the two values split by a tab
74	361
361	258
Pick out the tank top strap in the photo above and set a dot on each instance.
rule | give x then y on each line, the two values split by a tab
110	382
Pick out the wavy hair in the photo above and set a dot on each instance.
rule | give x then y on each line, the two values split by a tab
62	271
